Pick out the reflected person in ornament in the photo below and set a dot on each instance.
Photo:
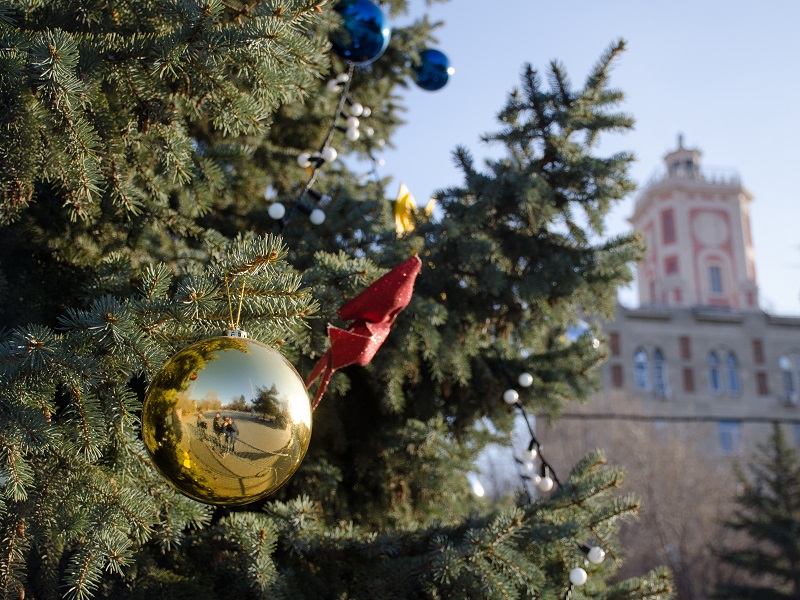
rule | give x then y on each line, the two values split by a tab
231	435
201	425
219	428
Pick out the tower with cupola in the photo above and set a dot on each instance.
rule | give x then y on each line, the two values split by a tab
696	222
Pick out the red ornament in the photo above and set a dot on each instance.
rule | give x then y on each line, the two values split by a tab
373	311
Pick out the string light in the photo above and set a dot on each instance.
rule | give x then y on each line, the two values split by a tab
546	479
350	111
578	576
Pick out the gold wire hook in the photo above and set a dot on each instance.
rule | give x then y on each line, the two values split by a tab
230	306
241	299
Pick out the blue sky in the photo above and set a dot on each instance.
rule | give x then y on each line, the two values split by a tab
724	74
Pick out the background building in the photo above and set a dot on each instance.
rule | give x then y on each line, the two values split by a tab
699	348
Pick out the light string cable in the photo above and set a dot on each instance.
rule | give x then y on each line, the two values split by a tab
317	160
534	446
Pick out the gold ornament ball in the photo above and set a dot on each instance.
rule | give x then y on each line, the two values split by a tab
227	420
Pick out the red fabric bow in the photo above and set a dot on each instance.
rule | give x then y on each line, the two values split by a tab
373	311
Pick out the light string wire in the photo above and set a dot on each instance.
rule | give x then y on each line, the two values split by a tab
547	468
319	161
534	441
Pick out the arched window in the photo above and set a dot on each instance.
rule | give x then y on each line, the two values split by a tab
789	375
659	373
640	369
714	380
732	373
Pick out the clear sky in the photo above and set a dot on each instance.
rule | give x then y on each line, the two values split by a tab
722	73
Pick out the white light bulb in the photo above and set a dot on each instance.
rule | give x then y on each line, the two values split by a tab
381	143
369	131
510	397
531	454
380	162
269	193
529	466
596	555
536	479
342	77
595	343
546	484
329	154
525	379
304	159
317	216
367	112
356	109
476	485
578	576
333	85
352	123
276	210
352	134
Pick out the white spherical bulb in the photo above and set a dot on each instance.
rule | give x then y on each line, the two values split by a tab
525	379
369	131
536	479
546	484
269	192
510	397
531	454
578	576
276	210
380	162
596	555
530	466
304	159
317	216
352	134
333	85
352	123
342	77
329	154
366	112
381	143
356	109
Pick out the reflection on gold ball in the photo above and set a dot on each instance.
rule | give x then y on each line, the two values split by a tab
227	420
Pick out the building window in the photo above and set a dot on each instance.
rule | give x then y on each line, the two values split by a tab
616	376
715	279
640	369
732	373
758	352
761	384
729	437
668	227
688	380
671	265
659	374
790	365
714	380
613	342
686	347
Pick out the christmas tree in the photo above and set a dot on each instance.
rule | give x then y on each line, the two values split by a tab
137	141
766	558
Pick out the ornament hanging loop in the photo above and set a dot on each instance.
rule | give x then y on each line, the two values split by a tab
233	326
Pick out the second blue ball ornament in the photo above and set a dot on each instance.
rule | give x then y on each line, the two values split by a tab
433	70
364	35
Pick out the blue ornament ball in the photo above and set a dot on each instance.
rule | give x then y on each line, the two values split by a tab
364	35
433	70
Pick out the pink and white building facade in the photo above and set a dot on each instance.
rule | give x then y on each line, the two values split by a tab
698	347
